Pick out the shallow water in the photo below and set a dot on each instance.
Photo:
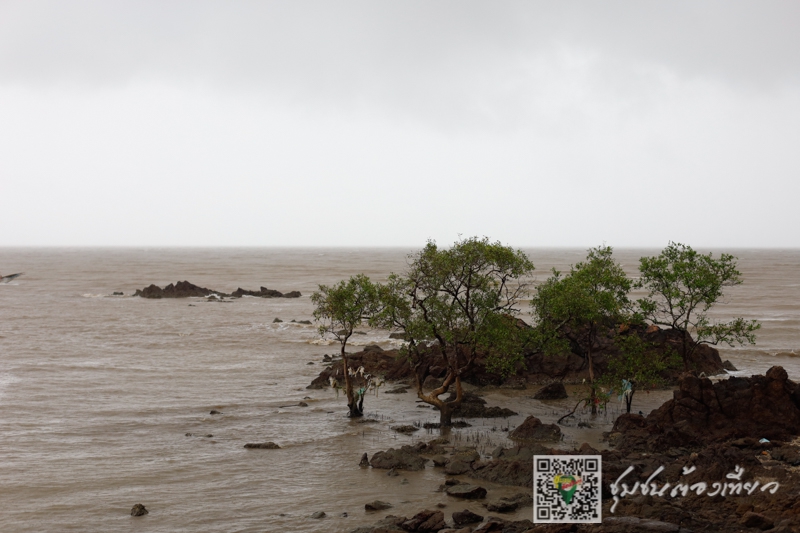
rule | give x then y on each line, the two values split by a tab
97	392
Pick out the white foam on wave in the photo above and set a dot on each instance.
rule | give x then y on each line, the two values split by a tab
321	342
6	379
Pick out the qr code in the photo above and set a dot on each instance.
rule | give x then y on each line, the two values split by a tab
567	489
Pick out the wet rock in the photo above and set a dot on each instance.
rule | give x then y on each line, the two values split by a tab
306	322
439	460
510	504
425	521
318	515
364	460
398	335
466	454
262	446
277	320
532	430
473	406
466	491
407	430
390	524
757	520
465	517
392	473
727	365
118	293
139	510
215	412
506	472
554	391
372	348
377	505
456	468
406	458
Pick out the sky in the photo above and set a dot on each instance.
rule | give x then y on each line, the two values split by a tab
388	123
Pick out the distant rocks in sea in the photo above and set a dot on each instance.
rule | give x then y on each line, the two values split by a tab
185	289
262	446
264	292
139	510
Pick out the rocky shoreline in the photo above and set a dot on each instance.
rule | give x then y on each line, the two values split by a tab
731	444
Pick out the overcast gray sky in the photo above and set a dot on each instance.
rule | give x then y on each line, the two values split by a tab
389	123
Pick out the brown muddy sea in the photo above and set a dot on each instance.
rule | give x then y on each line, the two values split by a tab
98	392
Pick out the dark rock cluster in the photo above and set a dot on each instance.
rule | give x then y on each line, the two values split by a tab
703	412
185	289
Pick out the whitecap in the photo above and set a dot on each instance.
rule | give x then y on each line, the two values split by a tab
6	380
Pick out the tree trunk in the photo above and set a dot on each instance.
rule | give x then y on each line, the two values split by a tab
445	408
354	404
685	353
356	408
445	415
591	380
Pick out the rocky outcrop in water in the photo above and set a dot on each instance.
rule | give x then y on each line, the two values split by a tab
473	406
185	289
262	446
536	368
532	430
139	510
264	292
703	412
406	458
182	289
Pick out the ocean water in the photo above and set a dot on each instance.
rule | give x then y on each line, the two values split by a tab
98	392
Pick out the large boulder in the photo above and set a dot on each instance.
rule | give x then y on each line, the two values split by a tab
139	510
553	391
406	458
702	412
473	406
466	491
465	517
532	430
425	522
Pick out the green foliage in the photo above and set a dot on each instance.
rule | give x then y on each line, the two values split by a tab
570	310
464	297
638	361
342	307
683	285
